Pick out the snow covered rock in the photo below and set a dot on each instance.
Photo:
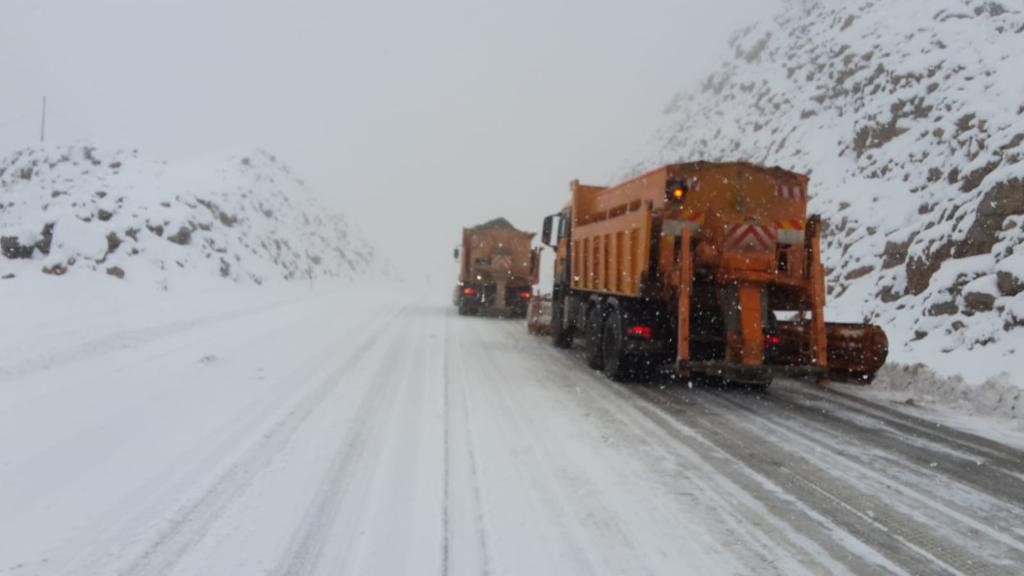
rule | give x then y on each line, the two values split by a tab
68	209
909	117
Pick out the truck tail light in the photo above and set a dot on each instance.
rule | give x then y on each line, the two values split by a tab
526	295
639	331
772	340
468	291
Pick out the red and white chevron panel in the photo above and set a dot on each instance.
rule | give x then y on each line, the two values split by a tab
749	237
501	262
791	191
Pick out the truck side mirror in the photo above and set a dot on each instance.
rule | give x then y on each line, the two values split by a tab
545	235
455	254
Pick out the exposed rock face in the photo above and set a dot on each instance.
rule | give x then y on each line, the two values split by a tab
12	247
72	208
183	236
979	301
1004	199
909	117
1009	284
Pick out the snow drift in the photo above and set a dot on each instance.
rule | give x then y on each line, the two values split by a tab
249	219
909	116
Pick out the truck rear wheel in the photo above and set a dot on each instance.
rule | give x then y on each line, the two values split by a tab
595	349
618	365
615	362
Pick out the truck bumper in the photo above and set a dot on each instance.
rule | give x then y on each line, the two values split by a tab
485	299
760	375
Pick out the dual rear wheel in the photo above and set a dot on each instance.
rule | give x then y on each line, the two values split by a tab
607	350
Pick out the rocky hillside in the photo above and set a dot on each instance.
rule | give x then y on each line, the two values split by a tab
76	209
909	117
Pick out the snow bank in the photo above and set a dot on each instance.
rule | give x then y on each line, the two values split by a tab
918	384
69	210
908	116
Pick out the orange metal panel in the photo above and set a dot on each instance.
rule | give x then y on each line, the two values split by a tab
612	271
620	271
685	283
584	257
595	203
819	345
639	247
666	256
577	269
628	262
751	324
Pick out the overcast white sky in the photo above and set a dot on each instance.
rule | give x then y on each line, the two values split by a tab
415	118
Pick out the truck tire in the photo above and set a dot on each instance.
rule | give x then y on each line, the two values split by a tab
560	335
618	365
595	350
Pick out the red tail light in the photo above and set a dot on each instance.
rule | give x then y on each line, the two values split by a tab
468	291
639	331
772	341
526	295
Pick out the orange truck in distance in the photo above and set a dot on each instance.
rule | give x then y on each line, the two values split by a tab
497	270
714	267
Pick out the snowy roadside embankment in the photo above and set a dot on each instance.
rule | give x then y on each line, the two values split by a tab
65	210
908	116
993	408
61	321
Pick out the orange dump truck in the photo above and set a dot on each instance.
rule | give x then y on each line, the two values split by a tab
497	269
714	267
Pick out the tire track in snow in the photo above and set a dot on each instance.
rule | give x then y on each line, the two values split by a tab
755	529
304	552
472	472
573	502
124	340
189	524
446	536
826	496
828	433
913	547
1006	458
130	522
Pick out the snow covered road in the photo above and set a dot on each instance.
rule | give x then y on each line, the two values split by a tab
329	434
